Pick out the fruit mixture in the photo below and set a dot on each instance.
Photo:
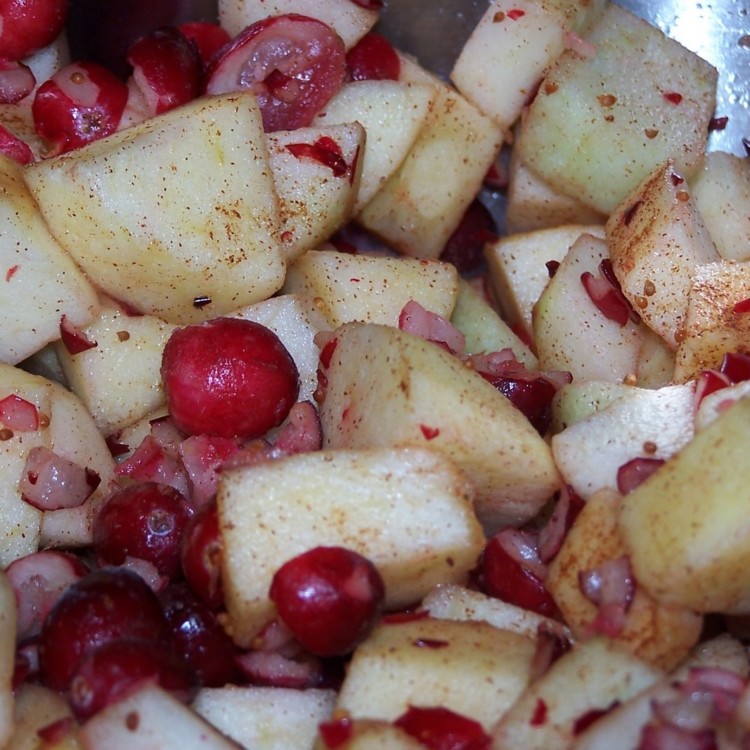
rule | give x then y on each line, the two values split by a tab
300	448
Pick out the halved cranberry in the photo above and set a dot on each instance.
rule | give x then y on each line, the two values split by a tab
228	377
81	103
292	63
198	636
201	555
16	81
29	25
114	669
207	37
107	604
144	520
439	728
373	58
329	598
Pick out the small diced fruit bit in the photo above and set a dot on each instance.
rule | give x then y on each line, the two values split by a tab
471	668
41	284
518	267
575	334
721	191
577	401
372	289
656	238
176	216
531	33
685	527
389	388
29	26
364	734
640	423
660	634
592	676
716	321
595	130
392	114
228	377
8	630
274	718
350	20
422	203
317	172
408	511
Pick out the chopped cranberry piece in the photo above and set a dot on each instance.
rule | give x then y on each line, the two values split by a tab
373	58
369	4
208	38
144	520
605	292
336	732
15	148
29	25
736	366
329	597
465	247
106	604
440	728
292	63
201	555
325	151
74	339
635	472
228	377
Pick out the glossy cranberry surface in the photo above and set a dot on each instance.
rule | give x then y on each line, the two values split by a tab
440	728
201	556
228	377
145	520
107	604
373	58
329	598
29	25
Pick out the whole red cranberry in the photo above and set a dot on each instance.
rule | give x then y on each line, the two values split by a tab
107	604
329	598
29	25
228	377
144	520
201	555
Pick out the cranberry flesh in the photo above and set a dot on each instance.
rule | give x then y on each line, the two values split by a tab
228	377
109	672
107	604
197	634
442	729
329	598
201	556
144	520
29	25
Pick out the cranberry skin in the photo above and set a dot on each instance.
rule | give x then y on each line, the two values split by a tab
197	634
200	554
208	38
111	671
506	579
81	103
465	247
144	520
108	604
532	396
329	598
373	58
442	729
29	25
228	377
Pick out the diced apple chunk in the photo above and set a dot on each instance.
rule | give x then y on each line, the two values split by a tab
407	510
41	283
656	239
177	216
596	129
472	668
386	387
372	289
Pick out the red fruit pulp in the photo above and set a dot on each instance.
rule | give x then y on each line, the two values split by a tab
228	377
29	25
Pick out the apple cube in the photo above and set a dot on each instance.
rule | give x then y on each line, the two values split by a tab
350	20
472	668
660	634
592	676
408	511
315	197
570	331
518	267
36	707
686	526
386	387
713	326
596	130
177	216
656	239
721	191
641	423
265	717
392	114
422	203
41	283
373	289
510	49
